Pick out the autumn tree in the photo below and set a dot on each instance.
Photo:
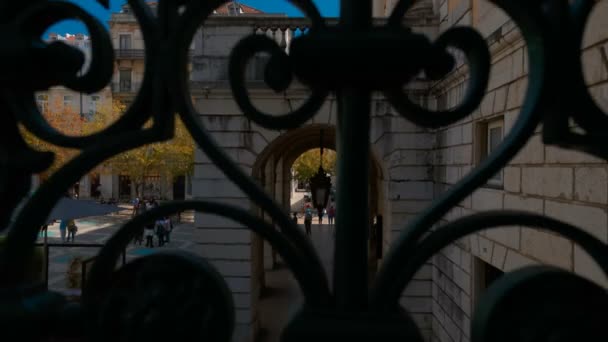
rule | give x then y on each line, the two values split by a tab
307	164
66	120
171	158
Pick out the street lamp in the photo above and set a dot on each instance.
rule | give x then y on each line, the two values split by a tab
320	184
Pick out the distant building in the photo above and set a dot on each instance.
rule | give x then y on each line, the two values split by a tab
63	99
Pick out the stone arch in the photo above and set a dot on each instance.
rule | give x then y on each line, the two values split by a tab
272	170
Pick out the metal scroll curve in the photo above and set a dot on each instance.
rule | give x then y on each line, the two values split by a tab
101	273
462	227
125	134
24	231
194	15
278	76
98	75
168	289
521	131
399	11
580	105
535	303
474	46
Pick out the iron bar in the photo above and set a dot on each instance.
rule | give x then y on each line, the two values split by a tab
352	212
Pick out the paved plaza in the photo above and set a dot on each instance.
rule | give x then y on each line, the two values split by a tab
279	299
97	230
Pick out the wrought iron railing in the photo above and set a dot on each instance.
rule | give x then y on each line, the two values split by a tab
351	59
125	87
130	53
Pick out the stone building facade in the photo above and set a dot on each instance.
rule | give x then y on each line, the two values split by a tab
412	166
61	99
562	184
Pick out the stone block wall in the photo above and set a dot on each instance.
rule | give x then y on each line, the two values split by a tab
405	150
566	185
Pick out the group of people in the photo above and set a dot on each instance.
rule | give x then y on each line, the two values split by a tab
308	215
161	228
66	228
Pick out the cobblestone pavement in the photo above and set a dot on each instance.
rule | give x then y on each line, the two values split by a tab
97	230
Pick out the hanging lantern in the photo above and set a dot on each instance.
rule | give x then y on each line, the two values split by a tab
320	184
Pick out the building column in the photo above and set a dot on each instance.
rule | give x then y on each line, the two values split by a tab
106	185
84	188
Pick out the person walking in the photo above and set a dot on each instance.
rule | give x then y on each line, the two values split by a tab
136	203
294	218
149	234
63	226
168	229
331	213
160	231
308	220
72	229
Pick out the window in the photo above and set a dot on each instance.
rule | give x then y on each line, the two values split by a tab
125	80
67	101
301	186
124	41
494	139
489	136
42	101
94	102
485	276
234	9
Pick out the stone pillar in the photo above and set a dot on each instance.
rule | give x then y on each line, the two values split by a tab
85	187
227	245
269	186
379	8
106	185
115	184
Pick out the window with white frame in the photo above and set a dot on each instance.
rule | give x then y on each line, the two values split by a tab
67	101
94	103
42	100
489	137
124	41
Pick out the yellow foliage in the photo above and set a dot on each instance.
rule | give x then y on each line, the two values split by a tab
171	158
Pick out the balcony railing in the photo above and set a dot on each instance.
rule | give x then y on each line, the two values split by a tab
215	69
125	87
130	53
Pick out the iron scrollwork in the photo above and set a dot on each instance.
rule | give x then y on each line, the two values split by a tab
351	59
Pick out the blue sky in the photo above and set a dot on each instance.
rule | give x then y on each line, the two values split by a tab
328	8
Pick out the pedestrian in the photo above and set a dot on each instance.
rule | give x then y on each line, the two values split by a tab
63	226
149	234
136	203
168	228
331	213
43	230
72	229
308	220
294	218
160	232
320	213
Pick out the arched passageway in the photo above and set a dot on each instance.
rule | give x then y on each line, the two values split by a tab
278	292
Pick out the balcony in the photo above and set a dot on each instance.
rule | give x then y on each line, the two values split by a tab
125	87
130	53
215	69
135	53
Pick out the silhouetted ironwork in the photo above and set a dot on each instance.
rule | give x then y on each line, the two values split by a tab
352	58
